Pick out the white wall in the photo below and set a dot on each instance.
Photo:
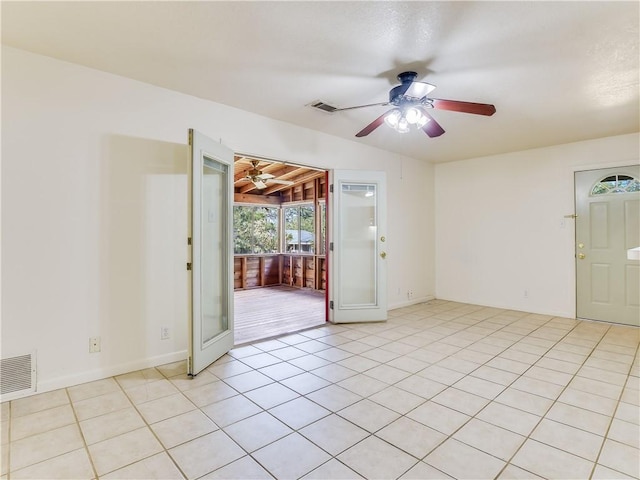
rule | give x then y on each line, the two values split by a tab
500	226
94	212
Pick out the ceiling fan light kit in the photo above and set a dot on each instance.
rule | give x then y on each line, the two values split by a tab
410	102
400	120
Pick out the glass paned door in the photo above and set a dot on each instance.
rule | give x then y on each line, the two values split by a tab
357	284
210	232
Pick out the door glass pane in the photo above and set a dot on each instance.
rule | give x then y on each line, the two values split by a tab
214	270
358	230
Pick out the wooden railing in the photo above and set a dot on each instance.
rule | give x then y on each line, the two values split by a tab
296	270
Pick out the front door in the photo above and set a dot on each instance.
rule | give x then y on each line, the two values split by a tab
607	226
211	251
357	265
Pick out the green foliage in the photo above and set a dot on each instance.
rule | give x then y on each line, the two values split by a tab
301	219
255	229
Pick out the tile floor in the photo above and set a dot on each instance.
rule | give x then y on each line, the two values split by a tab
441	390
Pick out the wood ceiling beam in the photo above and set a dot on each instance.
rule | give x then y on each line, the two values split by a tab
278	170
247	188
305	177
257	199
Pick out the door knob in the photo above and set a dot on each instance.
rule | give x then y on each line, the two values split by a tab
581	256
383	254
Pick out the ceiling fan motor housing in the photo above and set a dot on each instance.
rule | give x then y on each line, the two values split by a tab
397	94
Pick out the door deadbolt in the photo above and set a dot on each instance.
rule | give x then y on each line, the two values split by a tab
383	254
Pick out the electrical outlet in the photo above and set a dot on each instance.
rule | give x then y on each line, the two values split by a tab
409	294
94	344
164	333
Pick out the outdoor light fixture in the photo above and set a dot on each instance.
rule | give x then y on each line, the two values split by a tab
401	119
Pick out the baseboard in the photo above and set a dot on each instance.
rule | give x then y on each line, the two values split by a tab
408	303
101	373
516	308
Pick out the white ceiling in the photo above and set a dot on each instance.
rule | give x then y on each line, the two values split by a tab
557	72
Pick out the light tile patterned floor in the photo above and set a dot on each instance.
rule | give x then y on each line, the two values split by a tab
441	390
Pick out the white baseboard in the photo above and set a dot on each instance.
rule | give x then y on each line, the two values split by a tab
408	303
101	373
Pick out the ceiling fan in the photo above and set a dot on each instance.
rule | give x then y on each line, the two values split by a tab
410	104
260	179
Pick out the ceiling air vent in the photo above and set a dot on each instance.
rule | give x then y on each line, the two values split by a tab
325	107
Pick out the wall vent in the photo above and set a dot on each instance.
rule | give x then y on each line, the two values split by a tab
17	375
325	107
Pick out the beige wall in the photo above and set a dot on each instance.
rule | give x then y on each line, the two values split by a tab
94	212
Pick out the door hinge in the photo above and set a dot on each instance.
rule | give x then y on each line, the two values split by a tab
573	215
331	246
188	240
331	304
188	265
331	188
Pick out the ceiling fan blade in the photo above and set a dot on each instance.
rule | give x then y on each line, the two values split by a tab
431	128
259	184
465	107
265	176
372	126
281	182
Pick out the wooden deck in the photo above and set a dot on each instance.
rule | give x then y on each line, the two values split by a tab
270	311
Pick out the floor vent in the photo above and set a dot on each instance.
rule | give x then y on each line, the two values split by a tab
17	375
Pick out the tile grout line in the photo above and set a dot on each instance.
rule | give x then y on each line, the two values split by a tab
419	460
613	414
467	374
84	440
392	326
373	433
450	436
148	425
542	417
9	441
519	376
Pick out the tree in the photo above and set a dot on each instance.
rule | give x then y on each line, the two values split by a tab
255	229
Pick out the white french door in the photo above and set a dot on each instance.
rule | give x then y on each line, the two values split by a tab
357	283
211	251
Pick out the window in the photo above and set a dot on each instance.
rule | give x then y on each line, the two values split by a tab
255	229
299	228
616	184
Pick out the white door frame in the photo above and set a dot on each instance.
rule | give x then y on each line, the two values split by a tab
569	174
